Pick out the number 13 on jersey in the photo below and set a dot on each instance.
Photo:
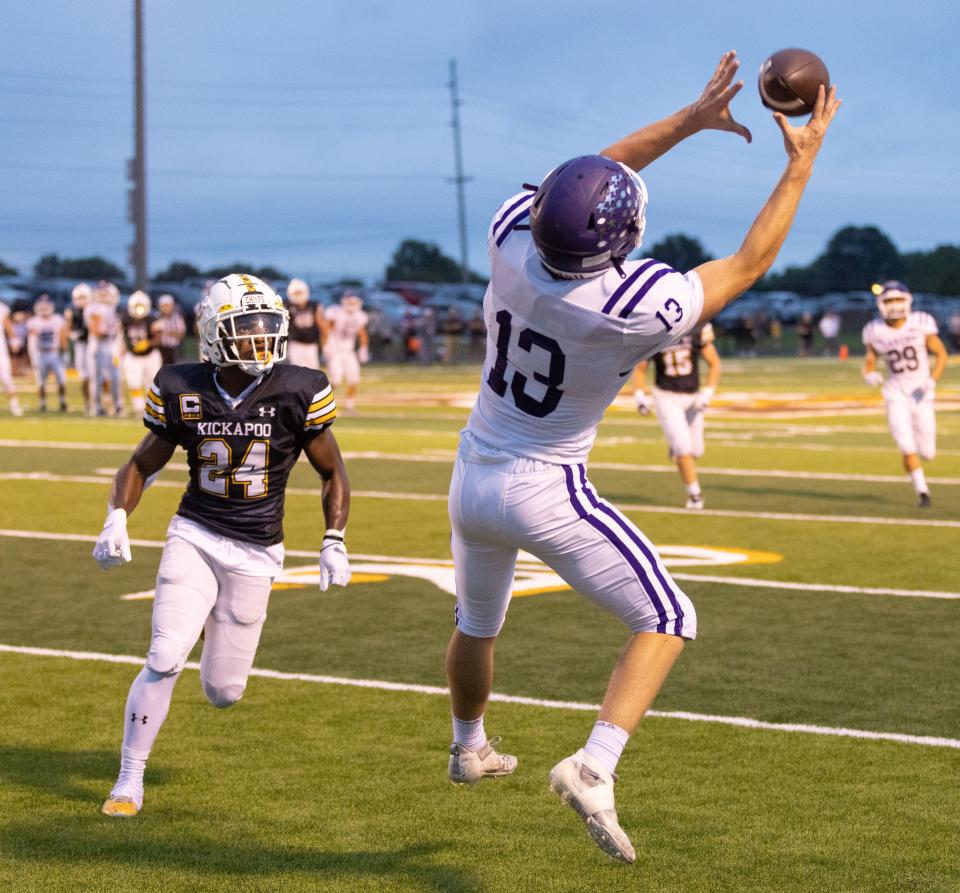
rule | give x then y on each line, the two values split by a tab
527	340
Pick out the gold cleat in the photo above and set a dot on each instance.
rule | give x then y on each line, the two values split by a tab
120	807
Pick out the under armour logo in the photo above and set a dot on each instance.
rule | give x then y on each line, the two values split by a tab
141	719
268	410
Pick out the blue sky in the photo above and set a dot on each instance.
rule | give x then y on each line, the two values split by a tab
315	136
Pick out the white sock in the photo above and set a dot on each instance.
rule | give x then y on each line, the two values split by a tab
147	707
469	733
606	743
919	481
694	489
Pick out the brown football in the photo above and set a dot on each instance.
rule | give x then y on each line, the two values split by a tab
789	81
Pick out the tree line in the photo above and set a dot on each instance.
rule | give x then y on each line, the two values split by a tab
854	258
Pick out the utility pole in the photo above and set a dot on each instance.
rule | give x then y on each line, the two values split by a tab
137	166
459	179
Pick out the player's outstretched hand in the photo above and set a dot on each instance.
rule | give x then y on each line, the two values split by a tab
874	378
334	564
363	353
644	404
704	396
712	110
803	143
113	545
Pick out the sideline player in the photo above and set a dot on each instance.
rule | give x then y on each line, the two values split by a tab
243	419
6	370
345	344
141	340
680	402
305	321
567	318
905	338
46	343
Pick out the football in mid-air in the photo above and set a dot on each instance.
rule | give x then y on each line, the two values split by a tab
789	81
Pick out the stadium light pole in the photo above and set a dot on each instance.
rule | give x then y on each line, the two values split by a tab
459	178
137	166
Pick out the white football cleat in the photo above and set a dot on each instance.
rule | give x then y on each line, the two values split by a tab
587	786
125	800
468	766
695	502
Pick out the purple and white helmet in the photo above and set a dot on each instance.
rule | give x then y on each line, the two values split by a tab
587	215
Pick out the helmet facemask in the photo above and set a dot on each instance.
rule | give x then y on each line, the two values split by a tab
252	339
894	301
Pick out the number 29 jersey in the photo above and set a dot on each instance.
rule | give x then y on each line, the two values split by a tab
239	458
558	351
904	350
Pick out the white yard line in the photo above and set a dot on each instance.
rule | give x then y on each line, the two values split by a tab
381	685
753	582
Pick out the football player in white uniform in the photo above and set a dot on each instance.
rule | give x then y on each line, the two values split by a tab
680	401
568	318
6	371
905	338
104	346
346	345
46	342
243	419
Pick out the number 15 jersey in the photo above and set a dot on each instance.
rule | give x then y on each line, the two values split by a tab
559	350
239	456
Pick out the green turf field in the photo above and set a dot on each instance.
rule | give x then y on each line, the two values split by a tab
844	615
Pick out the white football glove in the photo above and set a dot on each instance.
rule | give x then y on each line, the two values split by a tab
113	545
643	402
874	378
334	563
363	354
704	396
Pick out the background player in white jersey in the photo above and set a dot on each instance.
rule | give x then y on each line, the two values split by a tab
6	371
306	318
243	419
46	342
568	318
905	338
345	344
80	297
680	401
141	340
103	326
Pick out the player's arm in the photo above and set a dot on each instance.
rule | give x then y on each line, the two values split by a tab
726	279
135	475
939	350
323	453
640	395
64	336
714	365
871	375
711	111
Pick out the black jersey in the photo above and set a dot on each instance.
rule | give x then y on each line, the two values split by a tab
303	323
240	458
139	333
678	368
78	326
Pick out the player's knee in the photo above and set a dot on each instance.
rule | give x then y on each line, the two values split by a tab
165	657
928	454
223	696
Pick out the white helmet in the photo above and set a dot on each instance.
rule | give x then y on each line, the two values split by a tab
351	302
165	301
107	293
81	294
139	304
298	292
893	299
242	322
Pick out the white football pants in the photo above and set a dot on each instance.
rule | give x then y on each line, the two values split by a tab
300	353
500	503
139	372
343	367
912	423
681	421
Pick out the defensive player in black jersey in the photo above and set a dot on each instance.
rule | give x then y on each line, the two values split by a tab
679	400
305	319
243	420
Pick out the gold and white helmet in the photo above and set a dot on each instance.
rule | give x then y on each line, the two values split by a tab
81	294
894	299
298	292
139	304
242	322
